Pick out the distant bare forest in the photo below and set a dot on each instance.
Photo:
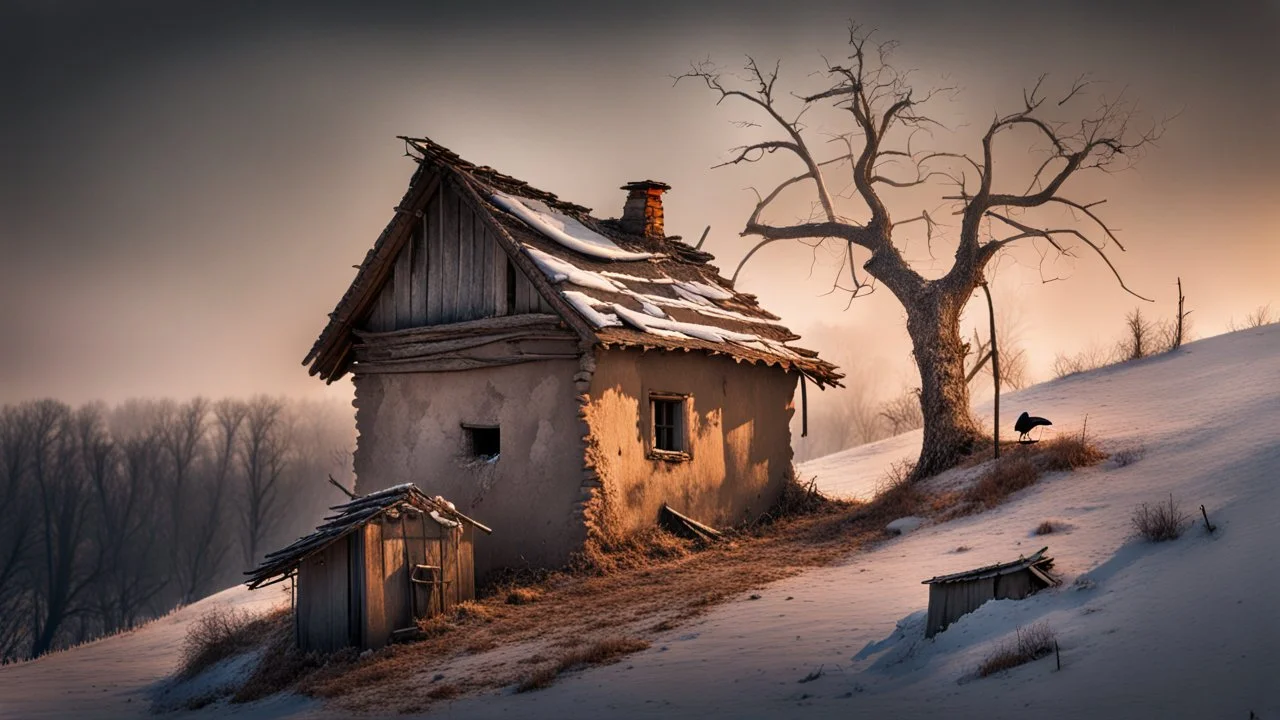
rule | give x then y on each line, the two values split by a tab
110	516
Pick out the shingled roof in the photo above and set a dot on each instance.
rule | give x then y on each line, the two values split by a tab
350	517
614	288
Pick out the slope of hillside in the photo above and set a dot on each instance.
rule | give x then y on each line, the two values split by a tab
1180	629
115	677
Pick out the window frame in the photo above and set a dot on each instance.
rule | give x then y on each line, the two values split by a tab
469	441
680	430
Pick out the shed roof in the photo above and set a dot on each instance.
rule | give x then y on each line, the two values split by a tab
1038	562
350	516
615	288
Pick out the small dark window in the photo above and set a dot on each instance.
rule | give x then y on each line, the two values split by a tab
668	424
483	442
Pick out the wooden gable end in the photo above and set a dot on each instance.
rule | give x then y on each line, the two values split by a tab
450	270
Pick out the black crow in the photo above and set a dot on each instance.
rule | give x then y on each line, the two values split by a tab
1026	423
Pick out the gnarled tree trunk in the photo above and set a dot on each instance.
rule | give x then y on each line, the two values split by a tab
933	323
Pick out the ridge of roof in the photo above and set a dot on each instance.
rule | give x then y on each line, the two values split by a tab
633	291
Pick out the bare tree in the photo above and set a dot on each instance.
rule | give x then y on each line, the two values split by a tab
16	514
206	549
1261	316
902	413
1139	337
181	434
886	115
134	568
63	571
263	447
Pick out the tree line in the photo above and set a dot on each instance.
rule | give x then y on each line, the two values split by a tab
110	516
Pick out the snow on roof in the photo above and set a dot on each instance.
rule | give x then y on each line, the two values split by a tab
564	229
673	298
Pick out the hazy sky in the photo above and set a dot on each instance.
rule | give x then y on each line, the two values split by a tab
186	186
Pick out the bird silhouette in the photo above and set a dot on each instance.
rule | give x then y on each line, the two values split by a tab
1026	423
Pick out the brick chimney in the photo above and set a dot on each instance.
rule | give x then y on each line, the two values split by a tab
642	214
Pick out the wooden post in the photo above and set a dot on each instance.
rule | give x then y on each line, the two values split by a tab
1056	654
1207	526
804	408
995	365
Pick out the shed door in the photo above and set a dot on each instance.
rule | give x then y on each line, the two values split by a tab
395	582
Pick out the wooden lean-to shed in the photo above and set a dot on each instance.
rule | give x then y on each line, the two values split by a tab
376	567
951	596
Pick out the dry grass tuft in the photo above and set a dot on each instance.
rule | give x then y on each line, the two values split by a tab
1129	455
897	496
523	595
1046	528
604	555
444	691
600	652
1068	452
1022	465
799	498
1030	644
1007	476
1160	522
281	665
222	633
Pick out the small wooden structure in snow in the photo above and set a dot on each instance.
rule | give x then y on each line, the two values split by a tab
383	562
951	596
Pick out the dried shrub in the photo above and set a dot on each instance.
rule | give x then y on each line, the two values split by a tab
1129	455
1045	528
1007	476
1068	452
538	679
1260	317
282	664
1030	643
1160	522
600	652
897	496
799	498
1084	361
222	633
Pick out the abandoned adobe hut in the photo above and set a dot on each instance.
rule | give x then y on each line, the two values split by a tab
561	374
383	562
951	596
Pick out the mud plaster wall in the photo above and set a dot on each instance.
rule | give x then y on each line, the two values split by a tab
738	419
410	430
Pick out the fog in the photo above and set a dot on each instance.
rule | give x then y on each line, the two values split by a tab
187	189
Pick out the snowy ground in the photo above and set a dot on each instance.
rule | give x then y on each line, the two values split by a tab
1182	629
118	677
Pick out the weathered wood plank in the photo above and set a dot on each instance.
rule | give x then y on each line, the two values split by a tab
490	271
449	256
435	264
376	632
418	276
395	580
479	326
403	286
466	281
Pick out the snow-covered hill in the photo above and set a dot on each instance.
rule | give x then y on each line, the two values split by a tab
1188	629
